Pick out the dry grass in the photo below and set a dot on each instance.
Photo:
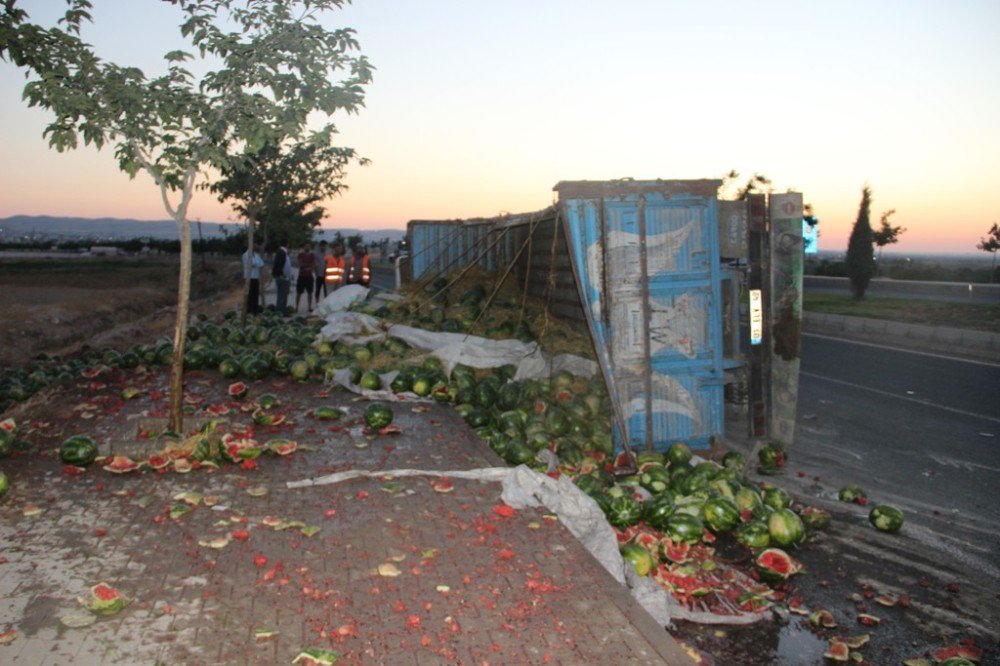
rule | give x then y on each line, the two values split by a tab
974	316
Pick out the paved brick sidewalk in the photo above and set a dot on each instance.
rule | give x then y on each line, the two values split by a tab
472	586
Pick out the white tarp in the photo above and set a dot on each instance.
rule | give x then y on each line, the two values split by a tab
454	348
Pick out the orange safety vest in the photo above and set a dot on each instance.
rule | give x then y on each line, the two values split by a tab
366	273
334	272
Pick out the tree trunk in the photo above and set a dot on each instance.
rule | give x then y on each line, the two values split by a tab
175	420
248	270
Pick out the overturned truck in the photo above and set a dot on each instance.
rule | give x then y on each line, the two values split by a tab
693	304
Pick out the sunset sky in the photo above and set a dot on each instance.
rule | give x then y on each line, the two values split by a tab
479	108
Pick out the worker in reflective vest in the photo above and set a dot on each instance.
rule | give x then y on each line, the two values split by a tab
334	273
359	271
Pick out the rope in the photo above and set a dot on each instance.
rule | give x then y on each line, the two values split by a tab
510	267
426	281
551	282
465	270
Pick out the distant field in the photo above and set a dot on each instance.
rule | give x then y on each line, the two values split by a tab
980	317
51	305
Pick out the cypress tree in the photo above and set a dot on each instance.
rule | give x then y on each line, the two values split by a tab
860	256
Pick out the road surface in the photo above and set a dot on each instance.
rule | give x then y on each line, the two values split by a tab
921	432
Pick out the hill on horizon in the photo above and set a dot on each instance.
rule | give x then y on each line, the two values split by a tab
111	228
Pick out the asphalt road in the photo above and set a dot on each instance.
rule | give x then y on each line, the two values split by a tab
921	432
922	429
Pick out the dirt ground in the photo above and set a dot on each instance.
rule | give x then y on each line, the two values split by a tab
55	306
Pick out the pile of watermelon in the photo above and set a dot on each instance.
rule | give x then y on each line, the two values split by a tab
268	344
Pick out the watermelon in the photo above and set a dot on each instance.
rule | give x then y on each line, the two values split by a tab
837	651
657	510
747	499
623	512
734	460
786	528
281	447
229	368
378	416
422	385
401	383
720	514
777	498
518	453
6	442
4	484
655	478
886	518
670	551
267	401
590	484
775	565
679	453
815	518
650	458
684	528
361	353
326	413
265	418
639	557
299	369
771	457
754	534
121	465
237	449
237	390
157	461
104	600
371	381
852	492
316	657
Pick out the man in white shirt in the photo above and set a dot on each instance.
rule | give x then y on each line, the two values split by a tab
251	269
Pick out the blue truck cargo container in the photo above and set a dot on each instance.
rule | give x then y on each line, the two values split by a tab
645	254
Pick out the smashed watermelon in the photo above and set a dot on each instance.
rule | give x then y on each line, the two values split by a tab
316	657
775	565
237	449
4	484
104	600
281	447
237	390
121	465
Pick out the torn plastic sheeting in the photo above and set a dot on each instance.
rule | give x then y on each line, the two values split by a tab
341	299
454	348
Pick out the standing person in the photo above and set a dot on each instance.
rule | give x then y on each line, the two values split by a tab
252	263
320	268
359	269
307	270
281	271
334	267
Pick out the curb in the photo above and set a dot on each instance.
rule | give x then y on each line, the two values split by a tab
974	345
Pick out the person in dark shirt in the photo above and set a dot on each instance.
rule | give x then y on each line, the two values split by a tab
304	283
282	274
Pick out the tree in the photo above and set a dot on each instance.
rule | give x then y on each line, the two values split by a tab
755	183
267	68
283	187
886	235
860	258
991	244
